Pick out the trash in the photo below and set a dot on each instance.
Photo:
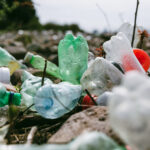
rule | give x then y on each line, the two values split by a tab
38	62
103	99
54	100
6	58
143	58
130	110
4	75
30	86
127	29
119	50
6	96
100	77
93	141
87	102
73	58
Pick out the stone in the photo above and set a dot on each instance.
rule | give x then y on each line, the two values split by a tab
92	119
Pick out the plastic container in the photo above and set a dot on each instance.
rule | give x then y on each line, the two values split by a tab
4	75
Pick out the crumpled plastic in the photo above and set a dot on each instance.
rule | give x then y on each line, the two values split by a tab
118	49
100	77
129	108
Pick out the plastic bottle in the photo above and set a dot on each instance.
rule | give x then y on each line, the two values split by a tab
7	97
73	58
54	100
38	62
30	86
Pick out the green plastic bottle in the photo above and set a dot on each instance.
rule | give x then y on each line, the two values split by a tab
38	62
7	97
5	57
73	58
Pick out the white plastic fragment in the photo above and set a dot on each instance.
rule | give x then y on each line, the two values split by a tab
93	141
129	108
127	29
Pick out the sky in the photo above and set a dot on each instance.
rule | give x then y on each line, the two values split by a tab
89	14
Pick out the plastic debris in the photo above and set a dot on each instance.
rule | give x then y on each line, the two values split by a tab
87	102
130	110
119	50
6	58
93	141
6	97
73	58
143	58
100	77
54	100
30	86
127	29
4	75
103	99
38	62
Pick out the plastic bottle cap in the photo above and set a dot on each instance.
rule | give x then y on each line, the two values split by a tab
28	57
4	75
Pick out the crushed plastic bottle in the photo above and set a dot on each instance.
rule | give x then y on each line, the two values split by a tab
129	108
6	96
93	141
100	77
54	100
119	50
127	29
73	58
30	86
38	62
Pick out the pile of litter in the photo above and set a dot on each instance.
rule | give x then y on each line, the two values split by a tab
84	103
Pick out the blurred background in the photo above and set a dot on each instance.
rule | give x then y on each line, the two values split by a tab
39	25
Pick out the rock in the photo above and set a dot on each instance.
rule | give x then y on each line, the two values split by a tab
92	119
33	47
17	51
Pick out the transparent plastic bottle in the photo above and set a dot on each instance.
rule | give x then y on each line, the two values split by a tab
30	86
54	100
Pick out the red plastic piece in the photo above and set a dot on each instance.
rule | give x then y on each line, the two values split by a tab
87	101
143	58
